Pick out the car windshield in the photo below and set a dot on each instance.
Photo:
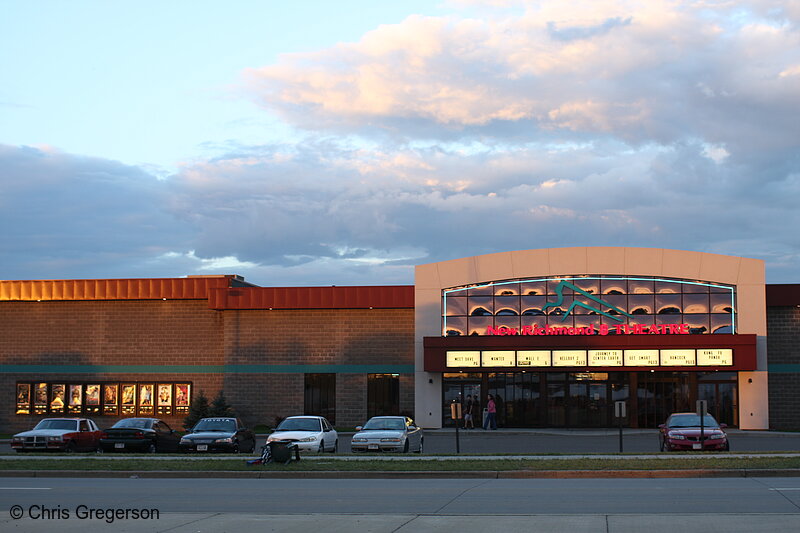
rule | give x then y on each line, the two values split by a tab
137	423
299	424
691	421
215	424
385	423
57	424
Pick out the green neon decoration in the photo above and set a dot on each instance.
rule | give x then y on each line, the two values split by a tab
573	305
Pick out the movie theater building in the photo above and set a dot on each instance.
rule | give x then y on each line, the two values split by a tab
555	335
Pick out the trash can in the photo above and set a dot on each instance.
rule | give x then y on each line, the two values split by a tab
281	451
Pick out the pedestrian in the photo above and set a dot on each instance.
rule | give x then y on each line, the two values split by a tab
491	414
468	407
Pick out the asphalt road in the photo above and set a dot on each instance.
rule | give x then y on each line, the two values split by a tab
197	505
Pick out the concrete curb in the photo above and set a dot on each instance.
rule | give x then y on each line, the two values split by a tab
261	473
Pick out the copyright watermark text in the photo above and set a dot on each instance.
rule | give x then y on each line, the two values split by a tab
83	512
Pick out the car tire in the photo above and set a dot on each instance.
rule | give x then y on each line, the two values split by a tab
419	450
235	447
70	447
727	446
321	446
405	447
335	446
252	447
151	448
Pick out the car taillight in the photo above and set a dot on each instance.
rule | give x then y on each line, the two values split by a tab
103	435
139	435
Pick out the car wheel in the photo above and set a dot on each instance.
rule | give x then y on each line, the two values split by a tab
252	447
70	447
151	448
405	447
727	446
420	446
235	447
321	447
335	446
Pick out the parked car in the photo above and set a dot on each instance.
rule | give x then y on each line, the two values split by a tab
59	434
388	434
310	433
682	432
139	435
219	434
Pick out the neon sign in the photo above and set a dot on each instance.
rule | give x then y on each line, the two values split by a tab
559	292
592	329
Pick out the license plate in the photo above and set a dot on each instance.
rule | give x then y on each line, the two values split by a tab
697	446
202	447
119	445
373	446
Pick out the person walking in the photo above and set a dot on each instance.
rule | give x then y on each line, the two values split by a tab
468	407
491	414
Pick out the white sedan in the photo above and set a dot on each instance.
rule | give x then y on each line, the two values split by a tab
310	433
388	434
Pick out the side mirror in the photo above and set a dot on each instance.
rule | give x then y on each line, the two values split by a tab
358	428
662	426
723	426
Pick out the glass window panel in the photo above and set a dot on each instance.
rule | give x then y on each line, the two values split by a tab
641	304
539	320
721	323
561	320
620	302
456	306
455	326
698	324
609	321
721	303
669	319
481	306
556	307
580	309
592	286
695	303
646	320
533	288
479	325
667	287
506	289
721	289
509	321
506	305
614	286
692	288
582	321
483	290
552	284
532	305
668	304
641	286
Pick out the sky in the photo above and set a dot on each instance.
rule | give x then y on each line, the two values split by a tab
341	143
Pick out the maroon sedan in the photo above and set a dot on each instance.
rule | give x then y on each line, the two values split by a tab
59	434
682	433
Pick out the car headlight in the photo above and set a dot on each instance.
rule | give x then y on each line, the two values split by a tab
55	439
394	439
312	438
227	440
716	435
359	439
676	435
17	439
184	440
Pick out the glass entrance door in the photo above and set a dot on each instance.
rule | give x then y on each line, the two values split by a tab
719	390
457	389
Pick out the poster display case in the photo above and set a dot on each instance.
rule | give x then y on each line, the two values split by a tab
110	398
128	401
164	401
91	399
23	398
183	395
57	394
75	399
146	399
40	399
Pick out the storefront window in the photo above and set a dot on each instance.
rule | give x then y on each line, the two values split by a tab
320	396
383	394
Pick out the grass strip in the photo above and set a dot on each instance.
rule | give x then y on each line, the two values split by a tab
443	465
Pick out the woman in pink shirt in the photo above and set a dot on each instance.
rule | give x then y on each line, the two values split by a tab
491	414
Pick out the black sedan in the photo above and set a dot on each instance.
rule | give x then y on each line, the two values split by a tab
219	434
139	435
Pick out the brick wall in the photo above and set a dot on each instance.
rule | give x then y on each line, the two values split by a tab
783	348
187	332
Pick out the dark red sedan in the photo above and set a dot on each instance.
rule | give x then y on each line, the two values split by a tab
682	433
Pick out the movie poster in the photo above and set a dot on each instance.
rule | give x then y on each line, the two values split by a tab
40	398
164	401
128	402
75	399
57	393
91	399
110	398
146	399
182	397
23	398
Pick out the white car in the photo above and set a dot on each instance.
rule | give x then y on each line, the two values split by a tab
310	433
388	434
